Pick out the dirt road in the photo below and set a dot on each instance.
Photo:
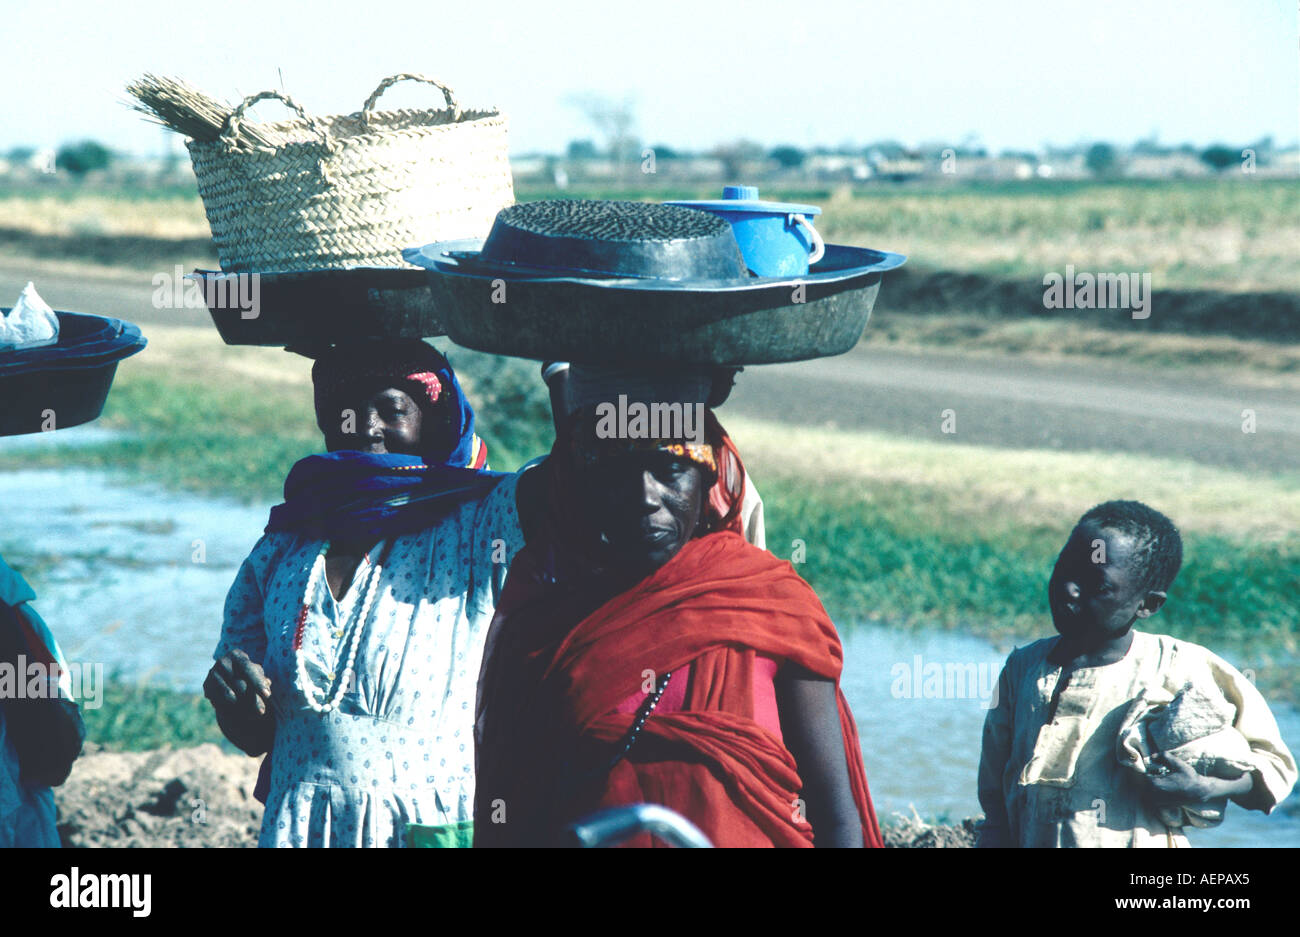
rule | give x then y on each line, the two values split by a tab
999	401
1011	402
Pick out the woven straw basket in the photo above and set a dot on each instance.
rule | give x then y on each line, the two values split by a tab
352	191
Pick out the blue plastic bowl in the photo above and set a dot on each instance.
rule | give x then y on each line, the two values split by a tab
777	239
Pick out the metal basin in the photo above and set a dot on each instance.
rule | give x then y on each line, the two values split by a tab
319	307
650	322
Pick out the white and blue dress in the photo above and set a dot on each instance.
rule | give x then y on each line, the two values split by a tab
399	749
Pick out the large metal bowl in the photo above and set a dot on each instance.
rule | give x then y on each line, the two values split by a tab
319	307
602	239
652	322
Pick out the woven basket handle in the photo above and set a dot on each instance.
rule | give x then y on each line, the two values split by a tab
230	133
405	76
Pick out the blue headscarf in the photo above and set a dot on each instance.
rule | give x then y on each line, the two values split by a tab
352	495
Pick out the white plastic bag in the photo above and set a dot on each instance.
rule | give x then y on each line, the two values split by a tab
30	324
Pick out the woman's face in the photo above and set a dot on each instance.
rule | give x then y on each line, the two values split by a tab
646	505
383	421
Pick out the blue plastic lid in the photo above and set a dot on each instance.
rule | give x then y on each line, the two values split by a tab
745	198
745	192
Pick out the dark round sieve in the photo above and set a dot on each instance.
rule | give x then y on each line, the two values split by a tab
598	238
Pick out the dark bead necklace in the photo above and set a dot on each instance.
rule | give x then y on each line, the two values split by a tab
642	715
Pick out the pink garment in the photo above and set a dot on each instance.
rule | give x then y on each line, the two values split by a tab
674	698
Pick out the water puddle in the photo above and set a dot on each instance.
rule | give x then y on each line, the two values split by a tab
74	437
133	577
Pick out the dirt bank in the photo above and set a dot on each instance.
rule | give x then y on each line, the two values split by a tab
916	834
203	796
187	797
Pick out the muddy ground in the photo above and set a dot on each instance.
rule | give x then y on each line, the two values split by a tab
185	797
203	796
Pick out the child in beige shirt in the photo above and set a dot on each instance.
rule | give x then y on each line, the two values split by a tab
1067	759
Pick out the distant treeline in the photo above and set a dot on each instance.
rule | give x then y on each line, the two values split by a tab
1100	158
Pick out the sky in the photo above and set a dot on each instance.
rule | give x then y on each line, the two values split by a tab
1010	74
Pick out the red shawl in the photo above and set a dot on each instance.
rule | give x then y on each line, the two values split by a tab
549	687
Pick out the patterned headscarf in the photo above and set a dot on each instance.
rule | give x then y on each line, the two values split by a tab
422	372
685	390
354	495
588	449
570	539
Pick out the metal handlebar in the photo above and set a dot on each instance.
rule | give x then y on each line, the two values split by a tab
619	824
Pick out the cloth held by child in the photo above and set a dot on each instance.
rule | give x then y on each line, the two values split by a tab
1193	726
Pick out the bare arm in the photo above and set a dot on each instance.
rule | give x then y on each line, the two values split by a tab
810	724
530	500
237	686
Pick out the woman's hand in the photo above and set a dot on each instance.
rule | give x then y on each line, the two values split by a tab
240	693
1180	786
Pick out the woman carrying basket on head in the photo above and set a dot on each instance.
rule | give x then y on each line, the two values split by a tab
353	632
644	652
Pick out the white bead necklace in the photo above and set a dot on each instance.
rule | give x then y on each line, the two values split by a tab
352	642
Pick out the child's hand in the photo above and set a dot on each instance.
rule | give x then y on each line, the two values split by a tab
1180	786
1173	783
47	735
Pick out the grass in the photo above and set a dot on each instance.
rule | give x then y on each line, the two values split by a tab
1231	232
139	717
919	533
204	417
1028	486
176	443
913	556
174	214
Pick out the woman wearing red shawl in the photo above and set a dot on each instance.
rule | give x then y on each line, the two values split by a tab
644	652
